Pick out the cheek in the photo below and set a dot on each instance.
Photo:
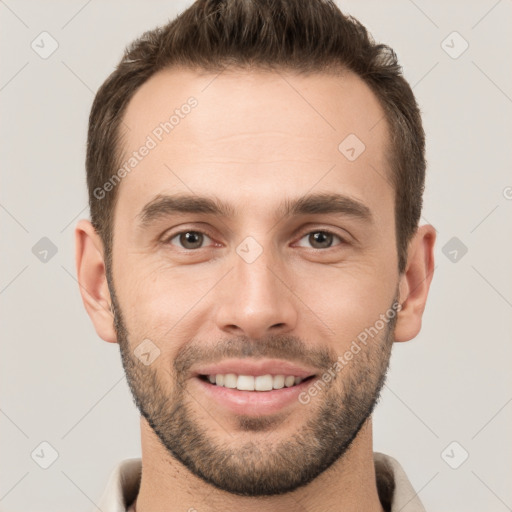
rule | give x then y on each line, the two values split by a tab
344	301
159	301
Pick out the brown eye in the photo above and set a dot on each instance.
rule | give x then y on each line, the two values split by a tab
189	240
320	239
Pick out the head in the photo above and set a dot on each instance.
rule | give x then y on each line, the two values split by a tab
255	174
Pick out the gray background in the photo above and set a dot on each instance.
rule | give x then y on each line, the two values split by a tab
63	385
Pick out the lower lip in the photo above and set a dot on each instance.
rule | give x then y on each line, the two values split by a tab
253	402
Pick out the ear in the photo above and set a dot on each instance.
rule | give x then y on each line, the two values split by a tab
91	273
415	283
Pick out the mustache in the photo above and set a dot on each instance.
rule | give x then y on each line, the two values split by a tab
289	348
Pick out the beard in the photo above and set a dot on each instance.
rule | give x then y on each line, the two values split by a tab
249	468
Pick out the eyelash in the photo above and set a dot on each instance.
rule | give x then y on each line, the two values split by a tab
325	231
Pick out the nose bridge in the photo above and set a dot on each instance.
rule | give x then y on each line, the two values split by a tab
256	300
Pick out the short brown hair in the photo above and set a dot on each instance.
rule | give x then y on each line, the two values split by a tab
305	37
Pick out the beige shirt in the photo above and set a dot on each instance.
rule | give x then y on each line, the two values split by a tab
395	491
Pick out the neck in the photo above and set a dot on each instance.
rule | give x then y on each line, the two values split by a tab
348	485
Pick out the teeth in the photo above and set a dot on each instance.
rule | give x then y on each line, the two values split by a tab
250	383
245	383
230	380
289	381
263	383
278	382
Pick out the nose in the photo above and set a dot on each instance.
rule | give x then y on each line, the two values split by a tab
255	299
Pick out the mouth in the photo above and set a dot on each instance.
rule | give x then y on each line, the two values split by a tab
253	386
256	383
252	395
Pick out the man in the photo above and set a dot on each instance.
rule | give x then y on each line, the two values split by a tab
255	173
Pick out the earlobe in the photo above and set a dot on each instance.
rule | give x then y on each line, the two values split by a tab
415	283
91	274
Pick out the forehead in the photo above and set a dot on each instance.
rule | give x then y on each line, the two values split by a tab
249	134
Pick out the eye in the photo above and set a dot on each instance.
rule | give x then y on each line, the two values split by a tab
320	239
189	239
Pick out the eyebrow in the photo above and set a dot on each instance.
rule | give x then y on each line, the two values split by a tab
311	204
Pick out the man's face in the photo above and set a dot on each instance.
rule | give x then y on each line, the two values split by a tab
256	291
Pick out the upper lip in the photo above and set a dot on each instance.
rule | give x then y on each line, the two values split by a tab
255	367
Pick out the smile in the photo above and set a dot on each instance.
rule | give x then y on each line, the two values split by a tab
266	382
